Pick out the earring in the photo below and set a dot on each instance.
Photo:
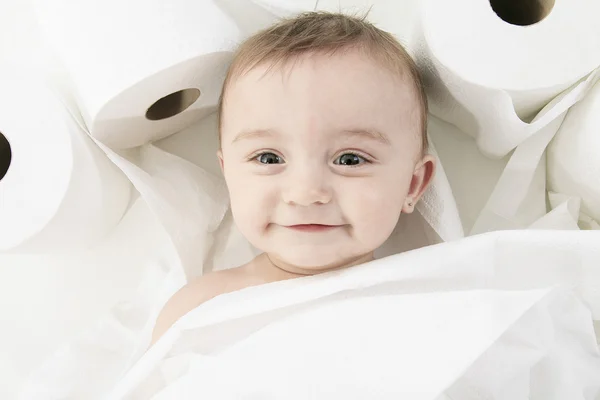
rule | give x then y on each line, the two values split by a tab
410	204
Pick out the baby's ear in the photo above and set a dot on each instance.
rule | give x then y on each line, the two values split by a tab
220	156
421	179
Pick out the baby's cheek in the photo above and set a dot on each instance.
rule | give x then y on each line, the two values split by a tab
377	211
251	206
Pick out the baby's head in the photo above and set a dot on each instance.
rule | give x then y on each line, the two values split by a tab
322	124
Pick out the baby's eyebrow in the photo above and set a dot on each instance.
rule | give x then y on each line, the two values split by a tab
367	134
254	134
360	133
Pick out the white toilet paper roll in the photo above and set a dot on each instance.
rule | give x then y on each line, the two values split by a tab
143	70
59	191
187	200
490	66
574	154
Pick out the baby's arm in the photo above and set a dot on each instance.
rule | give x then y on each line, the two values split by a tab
193	294
186	299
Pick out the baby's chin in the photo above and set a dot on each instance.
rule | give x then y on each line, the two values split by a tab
316	260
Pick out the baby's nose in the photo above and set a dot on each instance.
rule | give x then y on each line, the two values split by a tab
306	187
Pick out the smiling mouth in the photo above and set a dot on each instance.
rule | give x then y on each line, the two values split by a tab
312	227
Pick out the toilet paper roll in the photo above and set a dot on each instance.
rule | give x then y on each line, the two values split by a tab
188	201
142	70
59	191
490	66
574	154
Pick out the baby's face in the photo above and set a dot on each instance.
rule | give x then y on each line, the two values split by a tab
319	157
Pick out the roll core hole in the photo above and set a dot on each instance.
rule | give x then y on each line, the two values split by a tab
5	155
522	12
172	104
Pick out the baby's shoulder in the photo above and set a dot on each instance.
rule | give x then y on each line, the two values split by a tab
195	293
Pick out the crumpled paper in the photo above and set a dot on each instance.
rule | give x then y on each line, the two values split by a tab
524	300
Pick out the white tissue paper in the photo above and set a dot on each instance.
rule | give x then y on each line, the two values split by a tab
60	192
360	351
563	214
189	202
574	154
198	144
519	196
89	363
438	206
472	176
491	78
508	315
142	70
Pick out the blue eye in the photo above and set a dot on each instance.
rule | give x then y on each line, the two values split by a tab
349	160
269	158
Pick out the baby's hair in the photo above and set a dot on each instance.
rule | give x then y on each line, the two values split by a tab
327	33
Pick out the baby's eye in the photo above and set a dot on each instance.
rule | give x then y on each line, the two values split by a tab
349	159
269	158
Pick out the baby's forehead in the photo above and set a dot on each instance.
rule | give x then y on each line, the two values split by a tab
321	92
344	78
350	62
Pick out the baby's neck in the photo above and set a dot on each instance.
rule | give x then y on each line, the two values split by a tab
272	267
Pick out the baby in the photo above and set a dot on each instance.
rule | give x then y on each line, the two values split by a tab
322	123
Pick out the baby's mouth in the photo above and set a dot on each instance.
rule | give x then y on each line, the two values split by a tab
312	227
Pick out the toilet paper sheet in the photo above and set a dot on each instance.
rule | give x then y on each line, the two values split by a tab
510	264
574	154
519	197
273	354
189	202
563	214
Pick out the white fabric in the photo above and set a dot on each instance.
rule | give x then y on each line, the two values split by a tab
523	299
